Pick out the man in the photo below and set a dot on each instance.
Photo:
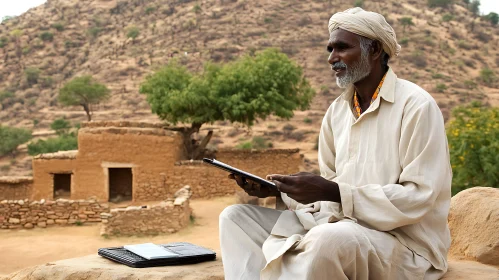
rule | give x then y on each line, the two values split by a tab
379	209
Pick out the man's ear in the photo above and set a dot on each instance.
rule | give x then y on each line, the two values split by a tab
376	50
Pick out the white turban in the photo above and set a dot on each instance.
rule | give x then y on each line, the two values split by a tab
368	24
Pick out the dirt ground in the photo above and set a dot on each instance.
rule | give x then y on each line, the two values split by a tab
24	248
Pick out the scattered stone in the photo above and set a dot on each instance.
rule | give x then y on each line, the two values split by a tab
41	224
28	225
14	221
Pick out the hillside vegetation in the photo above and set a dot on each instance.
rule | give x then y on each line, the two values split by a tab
449	51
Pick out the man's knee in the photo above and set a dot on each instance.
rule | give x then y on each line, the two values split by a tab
233	213
336	235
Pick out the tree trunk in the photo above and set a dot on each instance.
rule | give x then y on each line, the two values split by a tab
87	110
193	150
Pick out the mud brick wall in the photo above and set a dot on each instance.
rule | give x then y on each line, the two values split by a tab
207	181
15	188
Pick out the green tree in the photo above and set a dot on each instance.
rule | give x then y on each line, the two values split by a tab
83	91
61	126
472	134
132	32
64	142
493	18
475	7
11	137
239	91
406	21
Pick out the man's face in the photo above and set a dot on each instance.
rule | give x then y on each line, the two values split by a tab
347	58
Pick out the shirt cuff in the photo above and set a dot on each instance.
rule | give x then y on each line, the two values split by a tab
346	200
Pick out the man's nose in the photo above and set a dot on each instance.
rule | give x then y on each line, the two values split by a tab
333	57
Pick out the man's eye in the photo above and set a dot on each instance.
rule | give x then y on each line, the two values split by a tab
329	49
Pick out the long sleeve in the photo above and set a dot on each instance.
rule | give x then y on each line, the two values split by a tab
327	153
424	159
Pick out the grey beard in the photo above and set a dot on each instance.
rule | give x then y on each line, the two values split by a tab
356	72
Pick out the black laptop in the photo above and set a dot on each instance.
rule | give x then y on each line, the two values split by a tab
185	253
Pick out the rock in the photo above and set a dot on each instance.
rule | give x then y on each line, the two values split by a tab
29	225
41	224
14	221
473	222
21	202
50	222
94	267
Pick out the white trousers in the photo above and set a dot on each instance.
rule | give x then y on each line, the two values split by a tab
342	250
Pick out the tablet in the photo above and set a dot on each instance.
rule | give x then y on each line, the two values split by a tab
236	171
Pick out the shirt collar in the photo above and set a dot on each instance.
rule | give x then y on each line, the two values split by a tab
387	91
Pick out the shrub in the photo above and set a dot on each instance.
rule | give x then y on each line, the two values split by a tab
307	120
132	32
197	9
267	20
447	17
469	84
32	74
440	87
463	45
474	149
439	3
94	31
358	3
11	138
3	41
64	142
46	82
487	76
47	36
61	126
58	26
288	127
149	10
418	59
404	41
257	142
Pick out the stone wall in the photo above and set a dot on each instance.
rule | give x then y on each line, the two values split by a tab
207	181
29	214
166	217
15	187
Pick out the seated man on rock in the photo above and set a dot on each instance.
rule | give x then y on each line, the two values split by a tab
379	208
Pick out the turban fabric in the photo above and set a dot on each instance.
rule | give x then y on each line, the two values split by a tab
368	24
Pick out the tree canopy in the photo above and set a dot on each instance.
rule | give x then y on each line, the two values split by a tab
11	137
83	91
240	91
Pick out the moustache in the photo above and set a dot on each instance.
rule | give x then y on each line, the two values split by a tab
338	66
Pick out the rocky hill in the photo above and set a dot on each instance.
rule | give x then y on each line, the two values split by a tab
444	51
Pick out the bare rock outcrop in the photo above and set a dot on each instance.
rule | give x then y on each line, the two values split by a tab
474	224
94	267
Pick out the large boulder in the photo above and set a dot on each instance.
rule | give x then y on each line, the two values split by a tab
474	225
94	267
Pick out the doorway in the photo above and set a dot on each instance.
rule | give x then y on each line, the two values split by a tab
62	185
120	184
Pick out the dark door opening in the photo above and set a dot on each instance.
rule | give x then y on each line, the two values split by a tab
62	186
120	184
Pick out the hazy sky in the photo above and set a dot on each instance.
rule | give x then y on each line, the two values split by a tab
17	7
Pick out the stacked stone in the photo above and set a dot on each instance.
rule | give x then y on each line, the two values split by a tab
15	214
166	217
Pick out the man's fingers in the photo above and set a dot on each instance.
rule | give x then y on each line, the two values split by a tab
277	177
283	187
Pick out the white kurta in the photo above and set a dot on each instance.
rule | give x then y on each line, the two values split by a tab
392	166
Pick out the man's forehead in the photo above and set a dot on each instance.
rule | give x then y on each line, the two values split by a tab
341	35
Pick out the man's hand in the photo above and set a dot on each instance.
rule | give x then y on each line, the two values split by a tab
253	188
307	187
